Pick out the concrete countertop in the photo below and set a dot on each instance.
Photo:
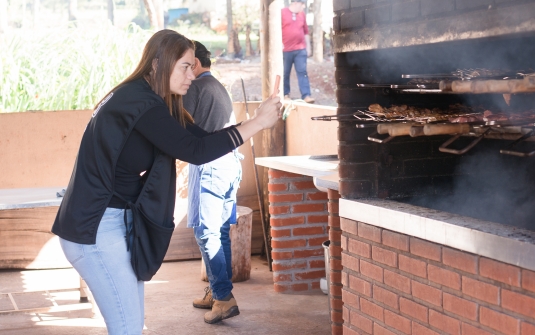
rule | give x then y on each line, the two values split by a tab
328	182
323	169
29	197
313	166
504	243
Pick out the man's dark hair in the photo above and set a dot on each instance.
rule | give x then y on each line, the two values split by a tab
203	54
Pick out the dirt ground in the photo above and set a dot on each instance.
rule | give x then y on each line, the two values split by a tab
321	77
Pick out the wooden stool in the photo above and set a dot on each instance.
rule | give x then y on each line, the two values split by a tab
240	237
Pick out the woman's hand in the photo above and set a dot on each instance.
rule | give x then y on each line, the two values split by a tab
266	115
268	112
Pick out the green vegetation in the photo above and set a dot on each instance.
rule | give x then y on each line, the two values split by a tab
73	68
63	69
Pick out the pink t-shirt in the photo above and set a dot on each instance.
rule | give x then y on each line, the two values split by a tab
294	29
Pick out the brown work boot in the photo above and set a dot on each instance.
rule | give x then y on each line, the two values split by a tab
309	100
222	310
205	302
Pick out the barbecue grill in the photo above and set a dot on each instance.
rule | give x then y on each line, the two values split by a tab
471	96
518	129
435	111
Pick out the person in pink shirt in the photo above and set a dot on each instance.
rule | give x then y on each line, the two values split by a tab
296	48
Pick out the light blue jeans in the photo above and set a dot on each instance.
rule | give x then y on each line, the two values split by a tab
105	267
219	182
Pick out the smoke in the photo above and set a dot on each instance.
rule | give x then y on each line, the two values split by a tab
509	53
491	187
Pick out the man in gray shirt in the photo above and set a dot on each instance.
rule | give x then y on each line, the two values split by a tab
212	190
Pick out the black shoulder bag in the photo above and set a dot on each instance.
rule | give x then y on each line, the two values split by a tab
150	234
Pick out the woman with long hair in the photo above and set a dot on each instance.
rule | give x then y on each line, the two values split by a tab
127	159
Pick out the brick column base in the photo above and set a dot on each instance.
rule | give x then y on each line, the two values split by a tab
299	226
335	264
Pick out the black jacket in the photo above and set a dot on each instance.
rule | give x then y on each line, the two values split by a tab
91	185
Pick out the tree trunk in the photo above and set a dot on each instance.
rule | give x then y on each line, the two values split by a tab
151	12
36	13
23	24
73	10
230	42
248	46
317	32
111	11
3	16
236	42
158	7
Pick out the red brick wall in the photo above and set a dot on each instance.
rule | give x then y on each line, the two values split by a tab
335	264
299	226
397	284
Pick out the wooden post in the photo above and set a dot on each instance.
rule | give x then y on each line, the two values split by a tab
271	45
274	138
317	53
271	58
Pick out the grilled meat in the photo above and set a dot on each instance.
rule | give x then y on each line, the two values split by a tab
466	118
496	117
419	114
457	113
376	109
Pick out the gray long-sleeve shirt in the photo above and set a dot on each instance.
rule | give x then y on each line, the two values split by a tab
209	103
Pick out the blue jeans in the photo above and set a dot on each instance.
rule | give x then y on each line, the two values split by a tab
105	267
299	58
219	182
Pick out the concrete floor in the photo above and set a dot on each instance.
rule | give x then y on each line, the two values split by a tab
168	308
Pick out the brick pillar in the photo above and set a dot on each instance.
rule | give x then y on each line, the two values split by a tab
335	263
299	226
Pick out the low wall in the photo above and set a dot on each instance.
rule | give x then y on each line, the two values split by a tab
38	149
307	137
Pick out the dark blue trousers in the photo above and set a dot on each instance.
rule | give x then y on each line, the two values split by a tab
299	59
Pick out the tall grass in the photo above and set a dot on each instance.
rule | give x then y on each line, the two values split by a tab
65	68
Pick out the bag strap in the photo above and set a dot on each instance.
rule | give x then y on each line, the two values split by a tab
131	232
